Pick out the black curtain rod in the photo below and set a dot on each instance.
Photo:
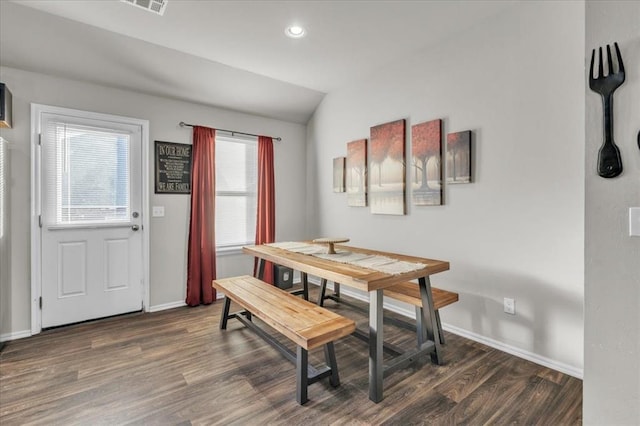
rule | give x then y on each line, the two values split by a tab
183	124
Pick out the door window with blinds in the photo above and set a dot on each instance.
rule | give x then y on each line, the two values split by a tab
236	191
91	166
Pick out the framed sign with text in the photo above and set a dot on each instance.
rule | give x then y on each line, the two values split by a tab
173	168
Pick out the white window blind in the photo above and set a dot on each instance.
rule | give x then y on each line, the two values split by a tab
236	191
92	169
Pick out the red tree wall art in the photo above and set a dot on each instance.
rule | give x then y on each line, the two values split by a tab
426	152
459	157
356	173
387	168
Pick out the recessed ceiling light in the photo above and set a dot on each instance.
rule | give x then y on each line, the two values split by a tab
294	31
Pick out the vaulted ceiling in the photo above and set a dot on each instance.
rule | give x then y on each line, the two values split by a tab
231	54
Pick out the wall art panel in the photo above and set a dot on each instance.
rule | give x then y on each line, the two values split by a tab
459	157
426	163
356	173
387	168
338	174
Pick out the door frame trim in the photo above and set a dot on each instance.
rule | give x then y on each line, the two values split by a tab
36	202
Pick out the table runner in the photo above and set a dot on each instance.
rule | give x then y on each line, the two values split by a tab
377	263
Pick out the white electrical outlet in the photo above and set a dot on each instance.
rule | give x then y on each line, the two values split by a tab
509	306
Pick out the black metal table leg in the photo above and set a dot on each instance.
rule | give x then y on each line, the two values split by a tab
420	330
261	263
305	285
429	317
376	340
323	291
439	324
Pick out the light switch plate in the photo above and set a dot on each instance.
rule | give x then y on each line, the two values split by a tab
158	211
634	221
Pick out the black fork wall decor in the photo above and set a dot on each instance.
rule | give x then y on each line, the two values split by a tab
609	159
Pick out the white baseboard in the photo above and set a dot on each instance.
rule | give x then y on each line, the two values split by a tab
520	353
15	335
165	306
178	304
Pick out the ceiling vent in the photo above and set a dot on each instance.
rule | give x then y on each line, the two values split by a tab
155	6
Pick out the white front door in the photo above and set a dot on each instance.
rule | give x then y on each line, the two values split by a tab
91	217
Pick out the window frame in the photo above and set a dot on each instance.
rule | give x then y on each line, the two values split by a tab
224	137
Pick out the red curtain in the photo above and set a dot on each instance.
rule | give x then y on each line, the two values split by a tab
201	269
266	220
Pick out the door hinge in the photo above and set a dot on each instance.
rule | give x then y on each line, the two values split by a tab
40	220
40	302
39	138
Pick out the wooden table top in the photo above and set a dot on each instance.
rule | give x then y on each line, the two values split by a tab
350	275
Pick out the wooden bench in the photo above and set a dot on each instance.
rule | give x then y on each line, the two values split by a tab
409	292
304	323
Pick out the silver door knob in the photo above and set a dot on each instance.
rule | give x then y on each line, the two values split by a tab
135	227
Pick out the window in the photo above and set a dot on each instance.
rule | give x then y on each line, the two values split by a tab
91	169
236	191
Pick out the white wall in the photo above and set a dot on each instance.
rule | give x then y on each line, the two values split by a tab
517	81
612	268
168	235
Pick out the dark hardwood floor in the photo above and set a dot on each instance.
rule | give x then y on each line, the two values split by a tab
177	367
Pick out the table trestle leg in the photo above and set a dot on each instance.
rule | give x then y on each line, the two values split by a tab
304	291
429	317
305	285
376	339
421	333
322	295
439	324
323	291
260	272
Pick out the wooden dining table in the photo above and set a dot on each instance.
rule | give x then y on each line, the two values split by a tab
373	282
